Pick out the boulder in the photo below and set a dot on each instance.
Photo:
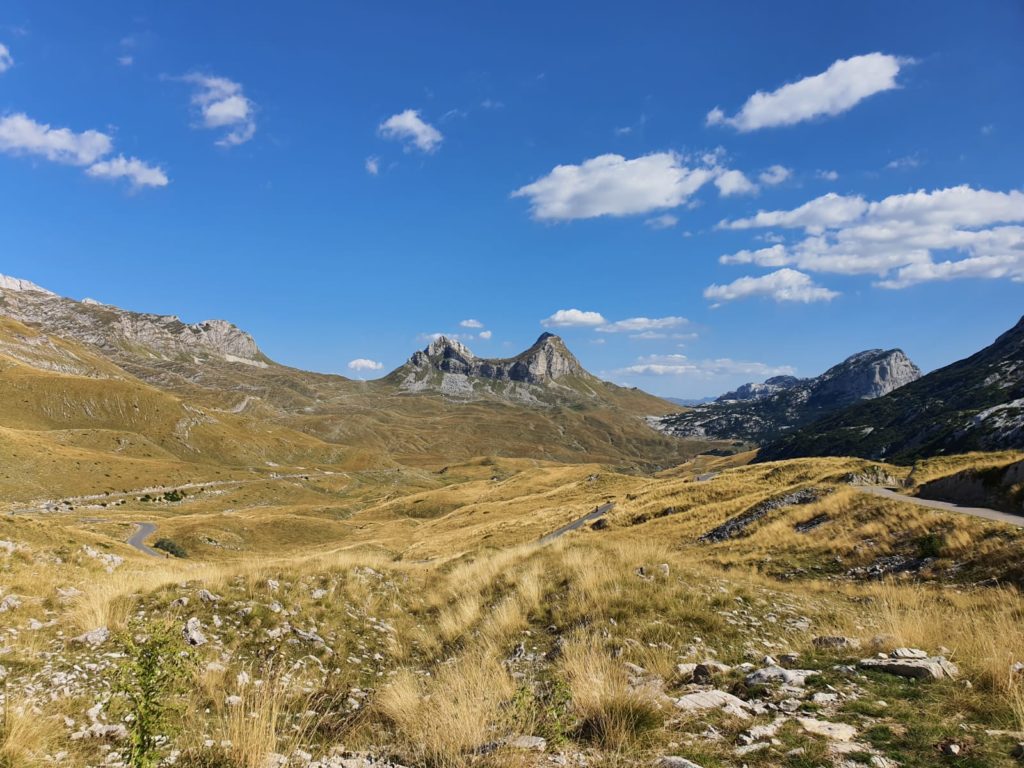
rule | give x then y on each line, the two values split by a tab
930	668
193	632
714	699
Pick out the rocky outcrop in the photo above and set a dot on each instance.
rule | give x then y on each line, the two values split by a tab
755	391
448	366
117	330
761	412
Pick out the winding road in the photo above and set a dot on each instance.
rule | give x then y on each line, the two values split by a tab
945	506
142	532
578	522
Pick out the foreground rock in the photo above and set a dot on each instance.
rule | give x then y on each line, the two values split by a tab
914	664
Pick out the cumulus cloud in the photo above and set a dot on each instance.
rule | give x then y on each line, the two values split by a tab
841	87
134	170
569	318
943	234
21	135
223	106
372	166
486	335
612	185
828	175
731	183
681	365
775	174
363	364
782	285
410	129
642	324
6	60
471	323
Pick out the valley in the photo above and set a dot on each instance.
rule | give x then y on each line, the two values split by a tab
210	560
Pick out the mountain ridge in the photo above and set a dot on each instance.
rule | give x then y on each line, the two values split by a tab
972	404
759	412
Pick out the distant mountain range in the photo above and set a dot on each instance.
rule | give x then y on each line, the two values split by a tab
758	413
444	404
974	404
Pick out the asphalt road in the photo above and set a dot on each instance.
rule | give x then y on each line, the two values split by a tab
142	532
945	506
578	522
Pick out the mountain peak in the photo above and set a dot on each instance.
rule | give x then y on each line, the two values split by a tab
448	365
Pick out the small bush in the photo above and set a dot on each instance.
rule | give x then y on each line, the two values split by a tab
171	547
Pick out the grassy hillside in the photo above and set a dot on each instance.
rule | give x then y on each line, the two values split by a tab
412	615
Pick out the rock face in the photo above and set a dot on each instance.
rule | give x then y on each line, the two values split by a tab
448	366
762	412
975	404
118	330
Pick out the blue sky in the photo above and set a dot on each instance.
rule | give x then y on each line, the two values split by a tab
346	179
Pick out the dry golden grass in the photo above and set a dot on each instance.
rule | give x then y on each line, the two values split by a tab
440	720
25	735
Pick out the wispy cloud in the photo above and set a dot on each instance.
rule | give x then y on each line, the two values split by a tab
841	87
471	323
372	165
681	365
774	175
223	105
641	324
410	129
6	60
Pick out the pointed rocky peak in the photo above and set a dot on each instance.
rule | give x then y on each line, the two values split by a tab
18	285
444	354
548	358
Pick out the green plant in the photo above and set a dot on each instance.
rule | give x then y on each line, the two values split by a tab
171	547
149	682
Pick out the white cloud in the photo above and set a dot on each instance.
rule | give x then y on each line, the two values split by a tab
372	166
665	221
973	232
6	60
471	323
126	60
641	324
20	134
611	185
363	364
492	104
731	183
137	172
486	335
409	128
828	175
775	174
567	318
223	105
681	365
839	88
825	211
782	285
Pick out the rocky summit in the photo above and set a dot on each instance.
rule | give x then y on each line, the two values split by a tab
761	412
448	366
973	404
